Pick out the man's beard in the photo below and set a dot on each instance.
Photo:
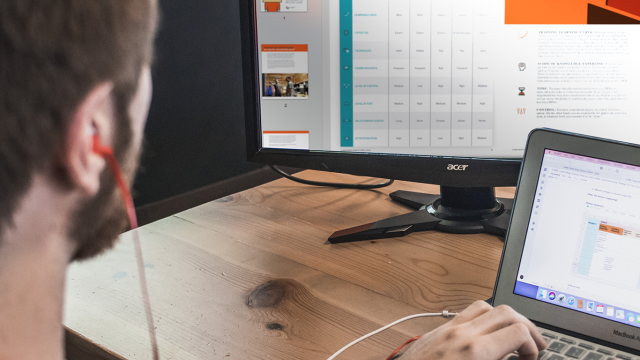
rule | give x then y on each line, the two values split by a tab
101	219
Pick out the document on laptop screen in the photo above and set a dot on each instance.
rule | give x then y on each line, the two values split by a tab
583	242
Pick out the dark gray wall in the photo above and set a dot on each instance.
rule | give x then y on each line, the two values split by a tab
195	133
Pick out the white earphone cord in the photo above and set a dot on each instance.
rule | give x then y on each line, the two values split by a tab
445	314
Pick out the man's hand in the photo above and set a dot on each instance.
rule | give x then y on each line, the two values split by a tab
480	333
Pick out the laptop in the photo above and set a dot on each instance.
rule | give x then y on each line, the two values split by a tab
571	261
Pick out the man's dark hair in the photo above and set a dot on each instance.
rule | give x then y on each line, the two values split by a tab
52	54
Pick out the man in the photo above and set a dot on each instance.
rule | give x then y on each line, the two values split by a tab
278	87
70	69
291	92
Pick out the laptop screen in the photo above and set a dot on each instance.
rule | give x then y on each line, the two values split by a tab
582	248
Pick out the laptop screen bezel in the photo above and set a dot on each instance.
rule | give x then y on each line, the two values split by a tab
589	326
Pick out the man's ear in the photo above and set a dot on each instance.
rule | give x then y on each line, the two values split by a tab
94	114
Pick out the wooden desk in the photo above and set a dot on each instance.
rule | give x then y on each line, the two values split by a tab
251	276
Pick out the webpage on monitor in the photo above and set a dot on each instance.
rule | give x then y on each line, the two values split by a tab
450	78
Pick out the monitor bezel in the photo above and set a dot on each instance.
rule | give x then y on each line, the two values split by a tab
579	324
479	172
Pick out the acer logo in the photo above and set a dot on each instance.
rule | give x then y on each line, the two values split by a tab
458	167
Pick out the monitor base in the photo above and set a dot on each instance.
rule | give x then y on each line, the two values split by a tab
456	210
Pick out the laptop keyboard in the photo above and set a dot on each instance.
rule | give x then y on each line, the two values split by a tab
562	347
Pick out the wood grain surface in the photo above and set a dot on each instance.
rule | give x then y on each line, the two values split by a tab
251	276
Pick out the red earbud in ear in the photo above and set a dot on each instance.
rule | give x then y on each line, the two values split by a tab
99	149
107	153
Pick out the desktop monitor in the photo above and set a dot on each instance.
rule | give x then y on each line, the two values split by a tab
439	92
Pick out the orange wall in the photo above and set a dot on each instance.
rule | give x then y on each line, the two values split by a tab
548	11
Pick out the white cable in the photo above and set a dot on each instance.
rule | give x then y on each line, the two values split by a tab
445	314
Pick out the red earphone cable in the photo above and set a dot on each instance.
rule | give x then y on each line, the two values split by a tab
108	155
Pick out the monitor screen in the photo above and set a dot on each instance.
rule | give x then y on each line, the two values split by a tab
466	78
583	241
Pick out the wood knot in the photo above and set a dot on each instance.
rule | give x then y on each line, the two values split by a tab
275	326
271	293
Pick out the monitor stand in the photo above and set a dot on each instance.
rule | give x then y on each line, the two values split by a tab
456	210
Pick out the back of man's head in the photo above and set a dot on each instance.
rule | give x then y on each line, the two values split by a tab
52	54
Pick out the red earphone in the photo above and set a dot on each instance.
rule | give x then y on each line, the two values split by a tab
107	153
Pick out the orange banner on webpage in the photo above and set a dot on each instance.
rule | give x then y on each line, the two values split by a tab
572	12
285	48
